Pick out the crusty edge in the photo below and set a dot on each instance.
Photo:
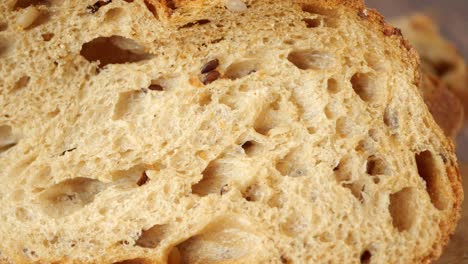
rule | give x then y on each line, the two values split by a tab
453	216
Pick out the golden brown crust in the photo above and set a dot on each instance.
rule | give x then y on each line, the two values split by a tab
453	173
439	57
453	215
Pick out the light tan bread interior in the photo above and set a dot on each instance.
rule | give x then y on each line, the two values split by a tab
309	144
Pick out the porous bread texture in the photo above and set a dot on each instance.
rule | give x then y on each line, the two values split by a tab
439	57
312	146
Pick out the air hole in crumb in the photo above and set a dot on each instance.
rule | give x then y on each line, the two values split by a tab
356	189
204	98
70	195
311	59
22	214
363	146
325	237
391	118
328	14
26	3
155	87
30	253
431	172
268	118
103	211
363	87
289	42
3	26
331	111
195	23
143	179
375	62
249	147
236	5
7	138
366	257
241	69
151	8
128	104
151	237
312	22
41	177
134	261
253	193
21	83
6	45
332	86
135	175
291	165
344	176
97	5
47	36
32	17
344	127
403	208
315	9
114	50
53	114
311	130
114	15
376	166
211	181
230	239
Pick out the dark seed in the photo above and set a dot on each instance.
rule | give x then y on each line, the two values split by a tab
209	66
366	257
68	150
444	158
95	7
224	189
143	179
284	260
210	77
198	22
155	87
47	36
311	23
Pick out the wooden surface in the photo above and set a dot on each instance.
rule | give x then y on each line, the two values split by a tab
452	17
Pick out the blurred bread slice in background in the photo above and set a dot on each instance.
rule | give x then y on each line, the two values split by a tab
440	60
439	57
443	104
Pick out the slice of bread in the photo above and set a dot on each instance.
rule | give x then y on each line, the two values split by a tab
214	131
439	57
443	104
